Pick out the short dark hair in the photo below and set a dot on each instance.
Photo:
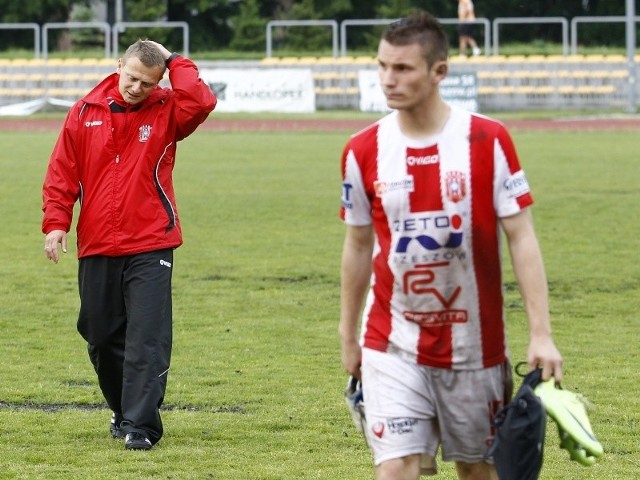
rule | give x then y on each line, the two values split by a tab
147	53
422	28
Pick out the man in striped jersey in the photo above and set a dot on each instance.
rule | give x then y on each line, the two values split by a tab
427	191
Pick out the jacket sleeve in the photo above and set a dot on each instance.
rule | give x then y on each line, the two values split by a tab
61	187
193	97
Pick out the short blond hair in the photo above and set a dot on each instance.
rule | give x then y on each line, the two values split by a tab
147	53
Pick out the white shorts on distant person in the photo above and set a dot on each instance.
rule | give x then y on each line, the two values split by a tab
413	409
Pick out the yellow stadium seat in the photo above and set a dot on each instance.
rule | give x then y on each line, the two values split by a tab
367	60
270	61
308	60
289	60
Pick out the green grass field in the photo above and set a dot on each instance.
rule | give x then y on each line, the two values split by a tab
255	389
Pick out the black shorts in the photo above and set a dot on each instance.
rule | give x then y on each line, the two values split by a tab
465	29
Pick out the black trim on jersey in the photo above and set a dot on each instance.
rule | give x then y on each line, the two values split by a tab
115	108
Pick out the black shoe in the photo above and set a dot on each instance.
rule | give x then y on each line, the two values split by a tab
114	427
137	441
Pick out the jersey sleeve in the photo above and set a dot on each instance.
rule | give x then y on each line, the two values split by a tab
356	206
512	192
61	187
194	98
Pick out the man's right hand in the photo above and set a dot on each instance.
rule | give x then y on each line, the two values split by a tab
51	242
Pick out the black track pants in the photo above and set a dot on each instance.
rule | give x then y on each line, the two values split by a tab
125	316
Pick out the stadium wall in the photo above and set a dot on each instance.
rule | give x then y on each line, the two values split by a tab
503	82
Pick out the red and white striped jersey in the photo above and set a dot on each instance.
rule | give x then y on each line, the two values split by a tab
436	286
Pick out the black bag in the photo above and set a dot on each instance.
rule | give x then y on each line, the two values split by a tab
518	446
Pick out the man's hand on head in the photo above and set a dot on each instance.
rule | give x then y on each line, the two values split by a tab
165	52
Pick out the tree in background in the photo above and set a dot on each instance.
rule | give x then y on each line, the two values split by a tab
12	11
248	28
213	23
209	21
143	11
84	38
310	38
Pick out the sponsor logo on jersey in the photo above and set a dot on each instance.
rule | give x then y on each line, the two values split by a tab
429	242
383	187
346	195
422	157
144	132
422	280
436	319
94	123
418	160
516	185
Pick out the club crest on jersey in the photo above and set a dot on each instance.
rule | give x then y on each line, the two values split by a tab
144	132
456	186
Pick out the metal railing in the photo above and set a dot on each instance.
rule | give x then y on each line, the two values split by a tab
111	34
530	20
120	27
575	21
303	23
104	26
478	21
386	21
26	26
358	22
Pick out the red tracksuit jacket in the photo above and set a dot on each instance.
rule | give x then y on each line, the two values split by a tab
124	185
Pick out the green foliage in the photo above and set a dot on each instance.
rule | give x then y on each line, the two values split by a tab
248	28
255	389
394	8
208	21
311	38
83	39
222	24
143	11
12	11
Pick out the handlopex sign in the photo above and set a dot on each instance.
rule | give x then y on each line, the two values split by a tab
260	90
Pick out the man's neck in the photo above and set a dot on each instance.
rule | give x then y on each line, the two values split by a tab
424	121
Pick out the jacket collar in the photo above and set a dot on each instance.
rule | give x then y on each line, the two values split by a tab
109	88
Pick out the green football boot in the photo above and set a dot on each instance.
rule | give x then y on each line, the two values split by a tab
568	410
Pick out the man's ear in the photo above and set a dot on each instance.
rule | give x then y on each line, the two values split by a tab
119	65
441	69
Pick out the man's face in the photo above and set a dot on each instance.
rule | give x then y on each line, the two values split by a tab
137	81
404	75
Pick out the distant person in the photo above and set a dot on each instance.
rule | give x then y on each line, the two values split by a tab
115	157
427	192
466	15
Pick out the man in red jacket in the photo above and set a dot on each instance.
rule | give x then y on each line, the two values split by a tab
115	155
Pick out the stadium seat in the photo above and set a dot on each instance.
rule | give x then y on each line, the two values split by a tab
345	60
308	60
270	61
289	60
365	60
